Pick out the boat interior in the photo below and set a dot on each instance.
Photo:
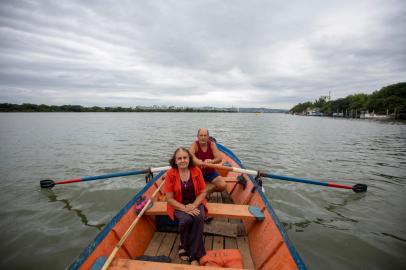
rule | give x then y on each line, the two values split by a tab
241	220
219	233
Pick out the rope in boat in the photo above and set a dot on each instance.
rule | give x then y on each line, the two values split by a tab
129	230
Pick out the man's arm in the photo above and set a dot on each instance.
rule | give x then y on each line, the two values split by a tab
192	150
216	153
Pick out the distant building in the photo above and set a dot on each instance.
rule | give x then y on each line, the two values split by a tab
313	112
338	114
367	115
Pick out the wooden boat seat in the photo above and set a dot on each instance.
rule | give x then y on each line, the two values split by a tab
238	211
121	264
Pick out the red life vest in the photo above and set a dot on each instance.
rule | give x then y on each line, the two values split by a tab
226	258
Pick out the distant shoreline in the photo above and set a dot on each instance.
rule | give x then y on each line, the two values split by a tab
388	102
27	107
139	112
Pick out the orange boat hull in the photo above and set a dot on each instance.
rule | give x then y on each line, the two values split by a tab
268	243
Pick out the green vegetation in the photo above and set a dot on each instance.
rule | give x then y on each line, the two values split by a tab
390	99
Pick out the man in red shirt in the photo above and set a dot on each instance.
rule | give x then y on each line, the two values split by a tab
205	151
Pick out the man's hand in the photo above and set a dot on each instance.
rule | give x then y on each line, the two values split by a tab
199	163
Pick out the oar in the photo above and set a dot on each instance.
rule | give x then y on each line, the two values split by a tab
48	183
129	230
356	188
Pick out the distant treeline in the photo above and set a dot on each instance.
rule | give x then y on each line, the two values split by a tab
28	107
390	99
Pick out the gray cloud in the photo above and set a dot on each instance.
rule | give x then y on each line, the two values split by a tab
198	53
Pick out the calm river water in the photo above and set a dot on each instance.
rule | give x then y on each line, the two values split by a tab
331	228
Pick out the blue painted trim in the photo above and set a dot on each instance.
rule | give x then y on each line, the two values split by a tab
256	212
291	247
227	164
228	152
92	246
110	175
98	264
294	179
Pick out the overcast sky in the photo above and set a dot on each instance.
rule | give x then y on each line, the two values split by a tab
271	54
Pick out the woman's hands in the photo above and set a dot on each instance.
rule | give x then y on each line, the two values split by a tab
191	209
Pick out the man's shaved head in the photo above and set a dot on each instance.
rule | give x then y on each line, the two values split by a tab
203	130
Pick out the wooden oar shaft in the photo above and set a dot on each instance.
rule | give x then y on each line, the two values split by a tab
231	169
129	230
159	169
48	183
103	176
356	188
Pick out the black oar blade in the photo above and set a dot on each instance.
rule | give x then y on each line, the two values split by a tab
47	183
358	188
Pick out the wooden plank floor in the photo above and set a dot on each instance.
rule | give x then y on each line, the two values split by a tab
167	243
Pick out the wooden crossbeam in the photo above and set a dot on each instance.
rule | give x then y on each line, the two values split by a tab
214	210
144	265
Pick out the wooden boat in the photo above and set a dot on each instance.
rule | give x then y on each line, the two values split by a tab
243	219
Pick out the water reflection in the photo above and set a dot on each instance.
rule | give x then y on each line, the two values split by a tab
334	207
395	237
53	198
298	226
340	222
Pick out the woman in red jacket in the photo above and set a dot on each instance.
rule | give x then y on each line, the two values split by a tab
186	192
